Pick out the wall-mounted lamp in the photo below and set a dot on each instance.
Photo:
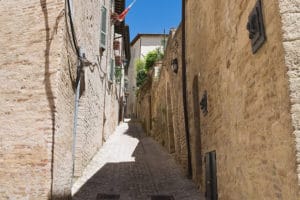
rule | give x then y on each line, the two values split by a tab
174	65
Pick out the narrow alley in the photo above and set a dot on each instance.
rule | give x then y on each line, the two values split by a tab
150	100
132	166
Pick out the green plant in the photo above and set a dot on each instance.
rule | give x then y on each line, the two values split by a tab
152	57
140	78
139	65
143	66
141	72
118	74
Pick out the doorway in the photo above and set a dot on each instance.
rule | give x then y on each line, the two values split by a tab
211	192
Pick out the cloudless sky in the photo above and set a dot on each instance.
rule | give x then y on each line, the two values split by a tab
153	16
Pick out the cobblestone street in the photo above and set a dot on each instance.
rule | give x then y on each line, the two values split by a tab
131	166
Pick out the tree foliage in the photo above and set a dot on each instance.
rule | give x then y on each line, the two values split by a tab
141	77
152	57
140	65
144	65
118	74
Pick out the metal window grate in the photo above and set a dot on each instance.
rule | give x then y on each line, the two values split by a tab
108	197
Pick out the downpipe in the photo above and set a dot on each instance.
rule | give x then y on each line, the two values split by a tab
77	95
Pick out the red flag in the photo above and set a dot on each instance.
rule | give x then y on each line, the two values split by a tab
121	17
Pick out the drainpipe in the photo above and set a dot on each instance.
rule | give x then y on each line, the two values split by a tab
184	92
78	81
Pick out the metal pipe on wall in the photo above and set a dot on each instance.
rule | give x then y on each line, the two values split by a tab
77	95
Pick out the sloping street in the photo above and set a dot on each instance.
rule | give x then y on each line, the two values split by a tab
131	166
150	100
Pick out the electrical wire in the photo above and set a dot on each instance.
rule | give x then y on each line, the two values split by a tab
72	29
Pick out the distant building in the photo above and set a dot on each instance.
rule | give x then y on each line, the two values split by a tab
140	46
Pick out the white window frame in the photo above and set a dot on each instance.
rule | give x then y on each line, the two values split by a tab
103	28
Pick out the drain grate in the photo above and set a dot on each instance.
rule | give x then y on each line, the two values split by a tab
108	197
162	197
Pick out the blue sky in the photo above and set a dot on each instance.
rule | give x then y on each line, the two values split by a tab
153	16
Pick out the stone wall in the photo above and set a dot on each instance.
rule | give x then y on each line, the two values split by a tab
38	66
248	121
165	94
141	45
31	37
290	17
87	22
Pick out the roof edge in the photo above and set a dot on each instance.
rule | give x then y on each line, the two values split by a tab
139	35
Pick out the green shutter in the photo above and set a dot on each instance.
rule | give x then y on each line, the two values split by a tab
103	27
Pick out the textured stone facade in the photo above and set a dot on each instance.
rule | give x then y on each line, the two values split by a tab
252	99
38	66
31	37
95	101
248	122
160	102
141	45
290	17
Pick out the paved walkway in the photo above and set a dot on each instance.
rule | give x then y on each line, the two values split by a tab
133	167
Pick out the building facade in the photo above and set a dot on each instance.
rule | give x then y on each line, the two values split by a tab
248	123
140	46
160	101
239	87
54	52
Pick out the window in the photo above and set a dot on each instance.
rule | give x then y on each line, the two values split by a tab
103	27
72	8
112	69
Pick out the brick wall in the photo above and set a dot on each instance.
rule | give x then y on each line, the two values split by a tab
30	40
98	104
38	66
248	121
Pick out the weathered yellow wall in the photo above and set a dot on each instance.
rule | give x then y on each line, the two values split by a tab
248	121
289	11
166	103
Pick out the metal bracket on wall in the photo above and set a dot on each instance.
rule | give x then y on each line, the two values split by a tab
256	27
203	103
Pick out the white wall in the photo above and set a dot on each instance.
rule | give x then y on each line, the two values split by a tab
139	49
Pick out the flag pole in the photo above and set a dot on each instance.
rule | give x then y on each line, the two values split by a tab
121	17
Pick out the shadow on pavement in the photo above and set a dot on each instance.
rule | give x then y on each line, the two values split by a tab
151	173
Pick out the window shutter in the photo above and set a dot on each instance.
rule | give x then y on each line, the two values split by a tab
103	27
